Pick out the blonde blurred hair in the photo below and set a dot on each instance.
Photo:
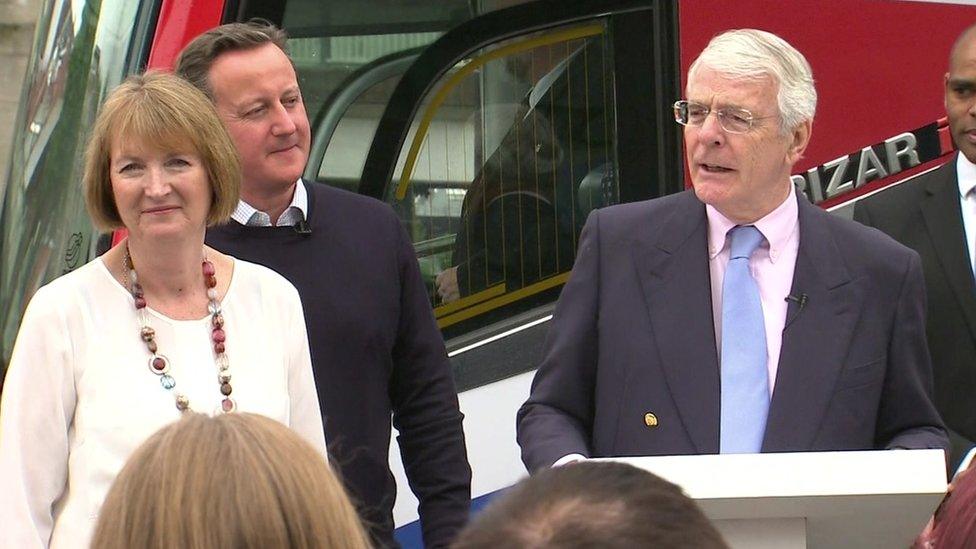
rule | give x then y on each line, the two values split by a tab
166	112
233	481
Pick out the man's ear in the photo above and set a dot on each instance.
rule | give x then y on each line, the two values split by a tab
799	139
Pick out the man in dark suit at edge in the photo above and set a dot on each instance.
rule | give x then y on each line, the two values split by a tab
935	214
375	347
736	317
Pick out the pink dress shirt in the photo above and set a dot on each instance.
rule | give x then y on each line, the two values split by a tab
772	266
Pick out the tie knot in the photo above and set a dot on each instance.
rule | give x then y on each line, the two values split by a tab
745	240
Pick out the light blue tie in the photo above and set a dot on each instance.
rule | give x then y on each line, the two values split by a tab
745	382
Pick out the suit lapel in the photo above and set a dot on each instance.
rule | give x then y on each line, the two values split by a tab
943	221
674	275
816	336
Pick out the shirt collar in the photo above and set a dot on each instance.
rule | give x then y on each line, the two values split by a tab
300	199
966	174
776	227
245	214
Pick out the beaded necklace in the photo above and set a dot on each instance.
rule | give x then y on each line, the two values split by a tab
158	363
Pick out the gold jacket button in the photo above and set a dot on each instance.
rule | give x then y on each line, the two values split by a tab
650	420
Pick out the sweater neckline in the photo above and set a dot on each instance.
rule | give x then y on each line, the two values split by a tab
237	228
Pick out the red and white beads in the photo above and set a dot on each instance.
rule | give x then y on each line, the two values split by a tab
159	364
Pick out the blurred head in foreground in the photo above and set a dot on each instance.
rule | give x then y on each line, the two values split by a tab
231	481
954	523
591	504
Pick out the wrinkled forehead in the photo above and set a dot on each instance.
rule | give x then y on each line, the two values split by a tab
722	89
249	74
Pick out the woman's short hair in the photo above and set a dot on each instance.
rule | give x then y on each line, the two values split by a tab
591	504
163	110
236	480
751	53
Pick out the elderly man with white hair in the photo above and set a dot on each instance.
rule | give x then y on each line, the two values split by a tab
735	317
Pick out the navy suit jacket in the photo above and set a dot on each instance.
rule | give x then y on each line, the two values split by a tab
925	215
633	335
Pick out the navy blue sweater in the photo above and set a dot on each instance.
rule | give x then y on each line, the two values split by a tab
375	350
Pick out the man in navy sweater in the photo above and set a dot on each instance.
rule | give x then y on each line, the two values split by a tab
375	347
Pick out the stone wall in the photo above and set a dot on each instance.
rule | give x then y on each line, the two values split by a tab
17	19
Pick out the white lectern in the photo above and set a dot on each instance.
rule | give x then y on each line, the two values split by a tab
811	500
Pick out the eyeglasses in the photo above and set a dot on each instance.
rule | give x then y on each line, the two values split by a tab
732	119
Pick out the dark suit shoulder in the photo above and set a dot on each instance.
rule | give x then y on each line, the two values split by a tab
353	218
863	247
335	201
648	213
654	206
905	196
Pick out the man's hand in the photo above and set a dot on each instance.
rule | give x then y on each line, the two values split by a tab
447	285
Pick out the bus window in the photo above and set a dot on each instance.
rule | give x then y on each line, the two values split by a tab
349	58
507	155
81	50
344	130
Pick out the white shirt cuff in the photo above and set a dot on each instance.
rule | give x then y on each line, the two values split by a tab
571	458
964	464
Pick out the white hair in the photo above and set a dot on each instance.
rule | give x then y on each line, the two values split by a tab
751	53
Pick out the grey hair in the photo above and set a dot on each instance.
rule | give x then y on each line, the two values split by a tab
754	54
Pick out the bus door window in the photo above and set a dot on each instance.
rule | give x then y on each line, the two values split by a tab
508	154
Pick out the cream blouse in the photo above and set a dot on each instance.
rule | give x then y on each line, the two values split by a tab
79	397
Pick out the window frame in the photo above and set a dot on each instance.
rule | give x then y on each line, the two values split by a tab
646	81
644	40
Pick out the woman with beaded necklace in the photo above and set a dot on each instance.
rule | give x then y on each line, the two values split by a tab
159	325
